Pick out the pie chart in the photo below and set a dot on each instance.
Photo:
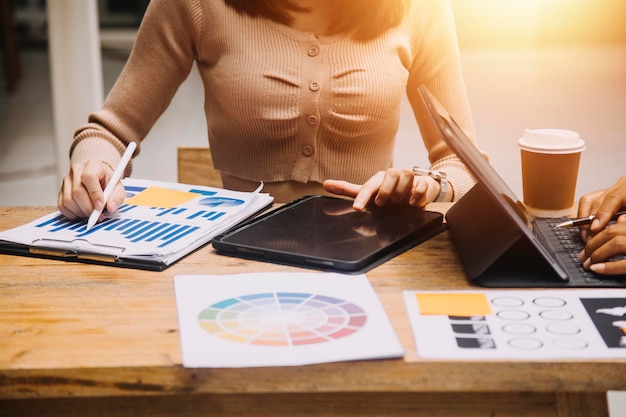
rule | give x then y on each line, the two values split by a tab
220	202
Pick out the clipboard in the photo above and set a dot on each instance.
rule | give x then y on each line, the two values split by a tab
158	224
326	233
89	257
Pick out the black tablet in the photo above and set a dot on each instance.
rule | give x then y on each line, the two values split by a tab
326	233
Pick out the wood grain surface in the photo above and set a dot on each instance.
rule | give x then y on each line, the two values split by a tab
79	339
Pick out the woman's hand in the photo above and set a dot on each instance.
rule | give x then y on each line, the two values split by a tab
392	185
82	190
610	242
604	204
604	241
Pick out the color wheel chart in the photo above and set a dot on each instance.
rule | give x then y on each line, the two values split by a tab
282	319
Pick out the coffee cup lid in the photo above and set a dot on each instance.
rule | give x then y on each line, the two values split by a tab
555	141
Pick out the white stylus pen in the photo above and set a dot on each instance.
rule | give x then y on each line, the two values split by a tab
117	175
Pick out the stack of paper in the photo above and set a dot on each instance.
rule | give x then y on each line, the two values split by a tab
158	224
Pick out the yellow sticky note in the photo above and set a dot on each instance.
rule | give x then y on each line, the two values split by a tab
161	197
453	304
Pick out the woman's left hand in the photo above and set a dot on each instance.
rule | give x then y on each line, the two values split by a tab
599	249
392	185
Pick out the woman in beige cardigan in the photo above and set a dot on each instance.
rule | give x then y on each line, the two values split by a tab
303	95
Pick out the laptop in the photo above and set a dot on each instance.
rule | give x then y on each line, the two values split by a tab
500	244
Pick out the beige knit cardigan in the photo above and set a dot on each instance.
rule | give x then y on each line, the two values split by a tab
283	105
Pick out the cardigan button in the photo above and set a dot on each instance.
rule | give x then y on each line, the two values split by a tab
307	150
313	51
312	119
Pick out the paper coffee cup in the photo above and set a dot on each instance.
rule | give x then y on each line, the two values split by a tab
550	161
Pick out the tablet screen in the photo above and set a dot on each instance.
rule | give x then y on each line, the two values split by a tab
327	232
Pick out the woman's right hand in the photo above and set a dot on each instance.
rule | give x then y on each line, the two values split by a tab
82	190
604	204
391	186
603	241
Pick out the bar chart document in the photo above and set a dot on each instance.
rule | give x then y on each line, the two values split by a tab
158	223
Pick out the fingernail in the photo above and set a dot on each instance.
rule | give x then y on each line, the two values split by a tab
581	255
587	263
599	268
595	224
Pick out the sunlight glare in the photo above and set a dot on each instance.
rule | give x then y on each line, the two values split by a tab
513	22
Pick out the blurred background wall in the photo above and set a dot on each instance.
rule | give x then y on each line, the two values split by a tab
527	64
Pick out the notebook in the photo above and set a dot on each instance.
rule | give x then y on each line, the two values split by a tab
500	244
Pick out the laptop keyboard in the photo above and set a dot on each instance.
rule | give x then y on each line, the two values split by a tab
565	244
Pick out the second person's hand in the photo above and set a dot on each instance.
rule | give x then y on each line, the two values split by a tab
608	243
604	204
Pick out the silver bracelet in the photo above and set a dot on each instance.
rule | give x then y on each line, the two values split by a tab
438	176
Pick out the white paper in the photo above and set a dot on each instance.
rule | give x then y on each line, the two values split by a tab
539	324
281	319
145	232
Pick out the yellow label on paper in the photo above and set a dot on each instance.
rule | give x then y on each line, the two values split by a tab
453	304
161	197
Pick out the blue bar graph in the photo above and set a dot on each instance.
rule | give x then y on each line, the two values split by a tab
125	208
154	225
173	210
133	230
197	214
209	215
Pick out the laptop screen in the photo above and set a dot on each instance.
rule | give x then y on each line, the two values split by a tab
482	237
476	162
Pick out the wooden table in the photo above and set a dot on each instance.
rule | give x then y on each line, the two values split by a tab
90	340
